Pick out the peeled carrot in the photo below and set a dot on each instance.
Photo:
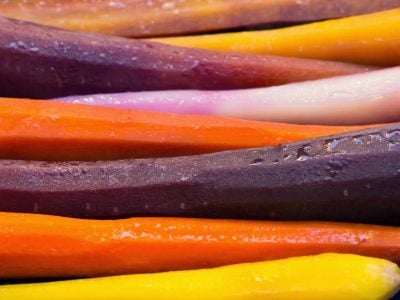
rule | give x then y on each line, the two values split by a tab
37	246
327	277
155	18
46	130
368	39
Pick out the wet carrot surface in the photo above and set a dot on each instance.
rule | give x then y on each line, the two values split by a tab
40	246
67	131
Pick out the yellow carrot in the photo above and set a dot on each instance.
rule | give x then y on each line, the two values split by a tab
368	39
327	277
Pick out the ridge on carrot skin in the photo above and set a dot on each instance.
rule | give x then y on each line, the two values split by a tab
368	39
42	246
66	131
139	18
326	276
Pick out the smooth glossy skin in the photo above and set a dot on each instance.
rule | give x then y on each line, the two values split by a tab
351	177
140	18
367	98
372	39
42	246
328	277
44	62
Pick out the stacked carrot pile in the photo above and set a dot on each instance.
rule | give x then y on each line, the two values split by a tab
199	149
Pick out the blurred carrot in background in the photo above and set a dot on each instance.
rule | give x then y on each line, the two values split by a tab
139	18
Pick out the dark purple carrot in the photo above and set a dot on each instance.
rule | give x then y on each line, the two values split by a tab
44	62
351	177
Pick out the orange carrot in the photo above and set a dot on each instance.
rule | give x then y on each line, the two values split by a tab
34	246
45	130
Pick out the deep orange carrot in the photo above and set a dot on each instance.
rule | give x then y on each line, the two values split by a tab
45	130
48	246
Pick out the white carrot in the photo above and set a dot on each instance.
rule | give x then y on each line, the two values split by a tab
367	98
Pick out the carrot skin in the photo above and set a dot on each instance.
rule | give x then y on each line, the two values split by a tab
40	246
84	132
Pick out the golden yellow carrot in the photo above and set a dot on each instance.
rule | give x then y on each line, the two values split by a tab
368	39
327	277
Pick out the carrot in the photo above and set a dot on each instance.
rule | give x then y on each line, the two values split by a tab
40	246
326	276
46	130
141	18
33	65
368	39
366	98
